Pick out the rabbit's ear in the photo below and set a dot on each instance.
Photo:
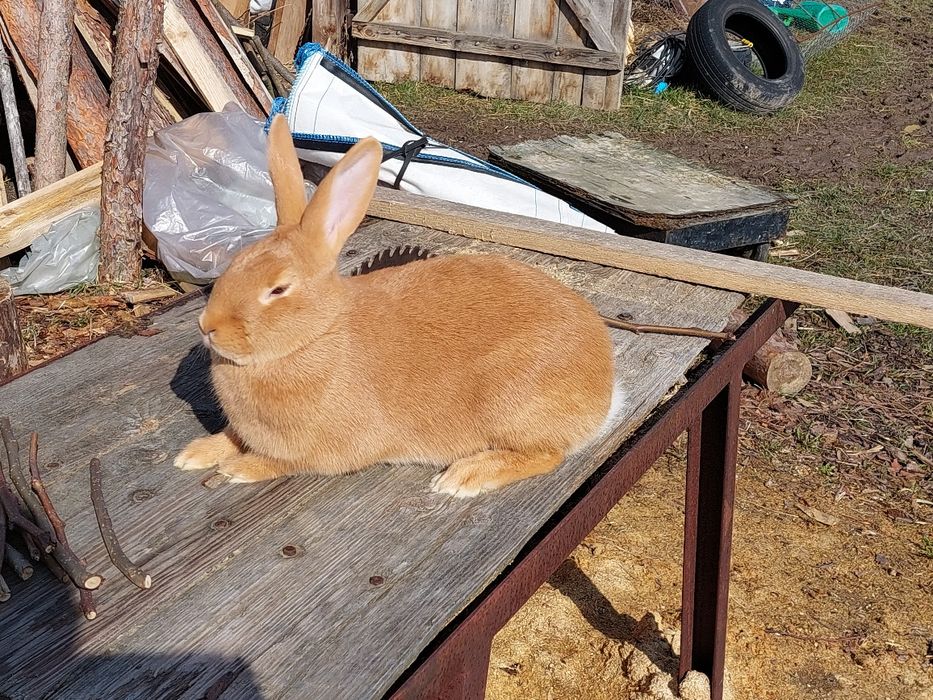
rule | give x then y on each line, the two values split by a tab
287	182
341	200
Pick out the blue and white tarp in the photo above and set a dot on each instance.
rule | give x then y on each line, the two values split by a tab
331	107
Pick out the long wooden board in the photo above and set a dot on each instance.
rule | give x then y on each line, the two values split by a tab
672	262
25	219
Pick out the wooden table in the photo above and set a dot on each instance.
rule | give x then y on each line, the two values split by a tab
395	590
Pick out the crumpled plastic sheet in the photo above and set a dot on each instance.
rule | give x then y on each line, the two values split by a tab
63	258
207	192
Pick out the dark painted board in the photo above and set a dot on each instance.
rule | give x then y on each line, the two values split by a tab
633	181
226	610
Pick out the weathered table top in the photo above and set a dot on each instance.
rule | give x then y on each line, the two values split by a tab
633	180
226	607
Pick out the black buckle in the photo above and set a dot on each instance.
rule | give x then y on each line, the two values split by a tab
408	151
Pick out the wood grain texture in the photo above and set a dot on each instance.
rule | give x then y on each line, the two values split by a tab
12	348
135	62
535	20
238	8
386	59
620	23
633	181
25	219
56	45
329	26
594	16
531	51
237	55
439	67
567	83
226	607
288	28
672	262
96	32
204	60
87	103
484	75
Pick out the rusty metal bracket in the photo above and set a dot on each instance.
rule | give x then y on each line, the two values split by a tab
455	665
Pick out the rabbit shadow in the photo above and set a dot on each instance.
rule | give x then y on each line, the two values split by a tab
42	659
192	384
599	612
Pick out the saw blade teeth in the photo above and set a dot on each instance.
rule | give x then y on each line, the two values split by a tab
392	257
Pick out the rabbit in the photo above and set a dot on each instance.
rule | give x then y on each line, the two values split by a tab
478	362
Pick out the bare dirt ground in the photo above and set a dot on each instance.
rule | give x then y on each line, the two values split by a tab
832	584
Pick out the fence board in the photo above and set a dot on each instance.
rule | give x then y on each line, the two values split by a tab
482	74
391	62
568	81
439	67
534	19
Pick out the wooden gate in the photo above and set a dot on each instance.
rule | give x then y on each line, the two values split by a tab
539	50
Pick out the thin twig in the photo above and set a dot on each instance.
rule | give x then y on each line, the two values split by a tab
34	552
666	330
21	483
272	62
140	578
63	553
21	565
55	569
4	591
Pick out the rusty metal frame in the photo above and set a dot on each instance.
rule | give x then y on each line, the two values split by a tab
455	665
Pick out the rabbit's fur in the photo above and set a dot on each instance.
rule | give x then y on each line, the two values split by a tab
473	361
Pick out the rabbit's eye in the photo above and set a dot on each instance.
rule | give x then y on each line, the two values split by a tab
278	291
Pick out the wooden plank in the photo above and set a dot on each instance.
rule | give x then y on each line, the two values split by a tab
204	60
234	49
25	219
568	80
369	10
594	16
439	67
632	180
238	8
650	258
290	25
479	72
475	44
329	26
620	23
225	607
535	20
394	61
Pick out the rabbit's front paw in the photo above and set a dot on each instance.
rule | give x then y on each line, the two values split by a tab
206	452
248	468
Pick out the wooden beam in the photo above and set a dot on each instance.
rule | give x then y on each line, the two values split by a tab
25	219
593	15
287	32
369	10
659	259
485	45
13	127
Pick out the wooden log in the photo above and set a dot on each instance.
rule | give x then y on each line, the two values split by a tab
13	129
778	365
12	347
136	59
56	36
96	32
660	259
87	103
25	219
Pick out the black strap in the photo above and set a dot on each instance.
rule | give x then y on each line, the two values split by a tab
407	151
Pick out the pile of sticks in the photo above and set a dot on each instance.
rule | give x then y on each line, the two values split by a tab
30	523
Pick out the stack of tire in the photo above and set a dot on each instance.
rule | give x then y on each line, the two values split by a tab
724	73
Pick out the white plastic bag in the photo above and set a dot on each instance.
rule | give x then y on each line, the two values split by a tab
207	191
64	257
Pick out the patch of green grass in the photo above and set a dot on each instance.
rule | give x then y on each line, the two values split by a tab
807	440
925	547
827	470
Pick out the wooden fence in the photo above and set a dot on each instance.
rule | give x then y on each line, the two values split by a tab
539	50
